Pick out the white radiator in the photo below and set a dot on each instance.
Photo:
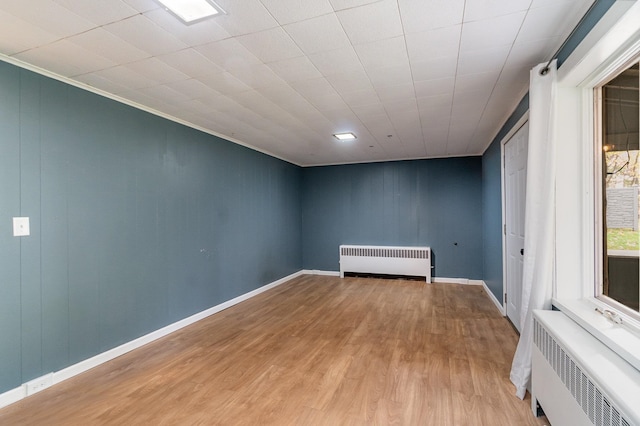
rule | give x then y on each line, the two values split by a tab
579	381
410	261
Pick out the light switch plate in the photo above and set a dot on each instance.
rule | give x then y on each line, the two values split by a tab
21	226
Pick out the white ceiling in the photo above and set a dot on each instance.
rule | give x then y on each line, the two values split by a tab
412	78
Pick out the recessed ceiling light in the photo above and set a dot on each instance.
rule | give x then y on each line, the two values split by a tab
191	11
345	136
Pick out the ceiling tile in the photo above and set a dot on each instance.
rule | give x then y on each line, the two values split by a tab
313	88
416	150
483	9
422	15
140	98
157	70
437	85
262	106
433	43
434	69
361	97
395	93
525	56
143	5
225	83
473	82
101	83
440	86
145	35
391	76
342	117
164	94
318	34
400	108
24	36
440	103
48	16
192	88
213	103
98	12
287	12
383	53
337	61
436	138
295	69
483	60
284	94
108	45
348	4
194	34
271	45
409	117
190	62
228	54
350	81
369	112
244	17
493	32
126	77
468	108
435	119
65	58
258	76
371	22
381	128
546	22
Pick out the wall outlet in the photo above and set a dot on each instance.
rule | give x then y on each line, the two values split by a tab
21	227
41	383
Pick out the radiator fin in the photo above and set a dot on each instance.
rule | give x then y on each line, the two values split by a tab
386	260
385	252
600	410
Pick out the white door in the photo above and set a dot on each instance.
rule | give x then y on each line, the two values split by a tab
515	164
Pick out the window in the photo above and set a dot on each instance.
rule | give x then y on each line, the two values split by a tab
617	119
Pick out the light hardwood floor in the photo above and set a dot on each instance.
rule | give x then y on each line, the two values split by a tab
314	351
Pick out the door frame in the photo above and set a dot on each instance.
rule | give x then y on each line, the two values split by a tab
517	126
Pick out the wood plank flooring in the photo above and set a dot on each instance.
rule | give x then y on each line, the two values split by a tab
314	351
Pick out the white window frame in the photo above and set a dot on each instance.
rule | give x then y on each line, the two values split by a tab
613	305
611	44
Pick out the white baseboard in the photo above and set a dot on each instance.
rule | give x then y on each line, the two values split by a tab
318	272
15	395
464	281
494	299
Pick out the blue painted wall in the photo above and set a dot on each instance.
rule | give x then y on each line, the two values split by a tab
136	222
425	202
492	220
492	204
492	187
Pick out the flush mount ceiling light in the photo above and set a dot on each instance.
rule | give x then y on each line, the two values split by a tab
345	136
191	11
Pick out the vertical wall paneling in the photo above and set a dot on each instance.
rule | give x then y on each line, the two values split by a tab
31	298
54	226
492	220
136	222
10	297
424	202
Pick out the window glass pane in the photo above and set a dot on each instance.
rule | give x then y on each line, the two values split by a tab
620	185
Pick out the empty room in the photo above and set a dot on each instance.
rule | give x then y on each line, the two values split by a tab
319	212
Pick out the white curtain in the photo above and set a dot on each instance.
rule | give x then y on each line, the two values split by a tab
537	275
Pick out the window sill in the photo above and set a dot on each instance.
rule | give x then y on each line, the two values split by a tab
623	339
623	253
